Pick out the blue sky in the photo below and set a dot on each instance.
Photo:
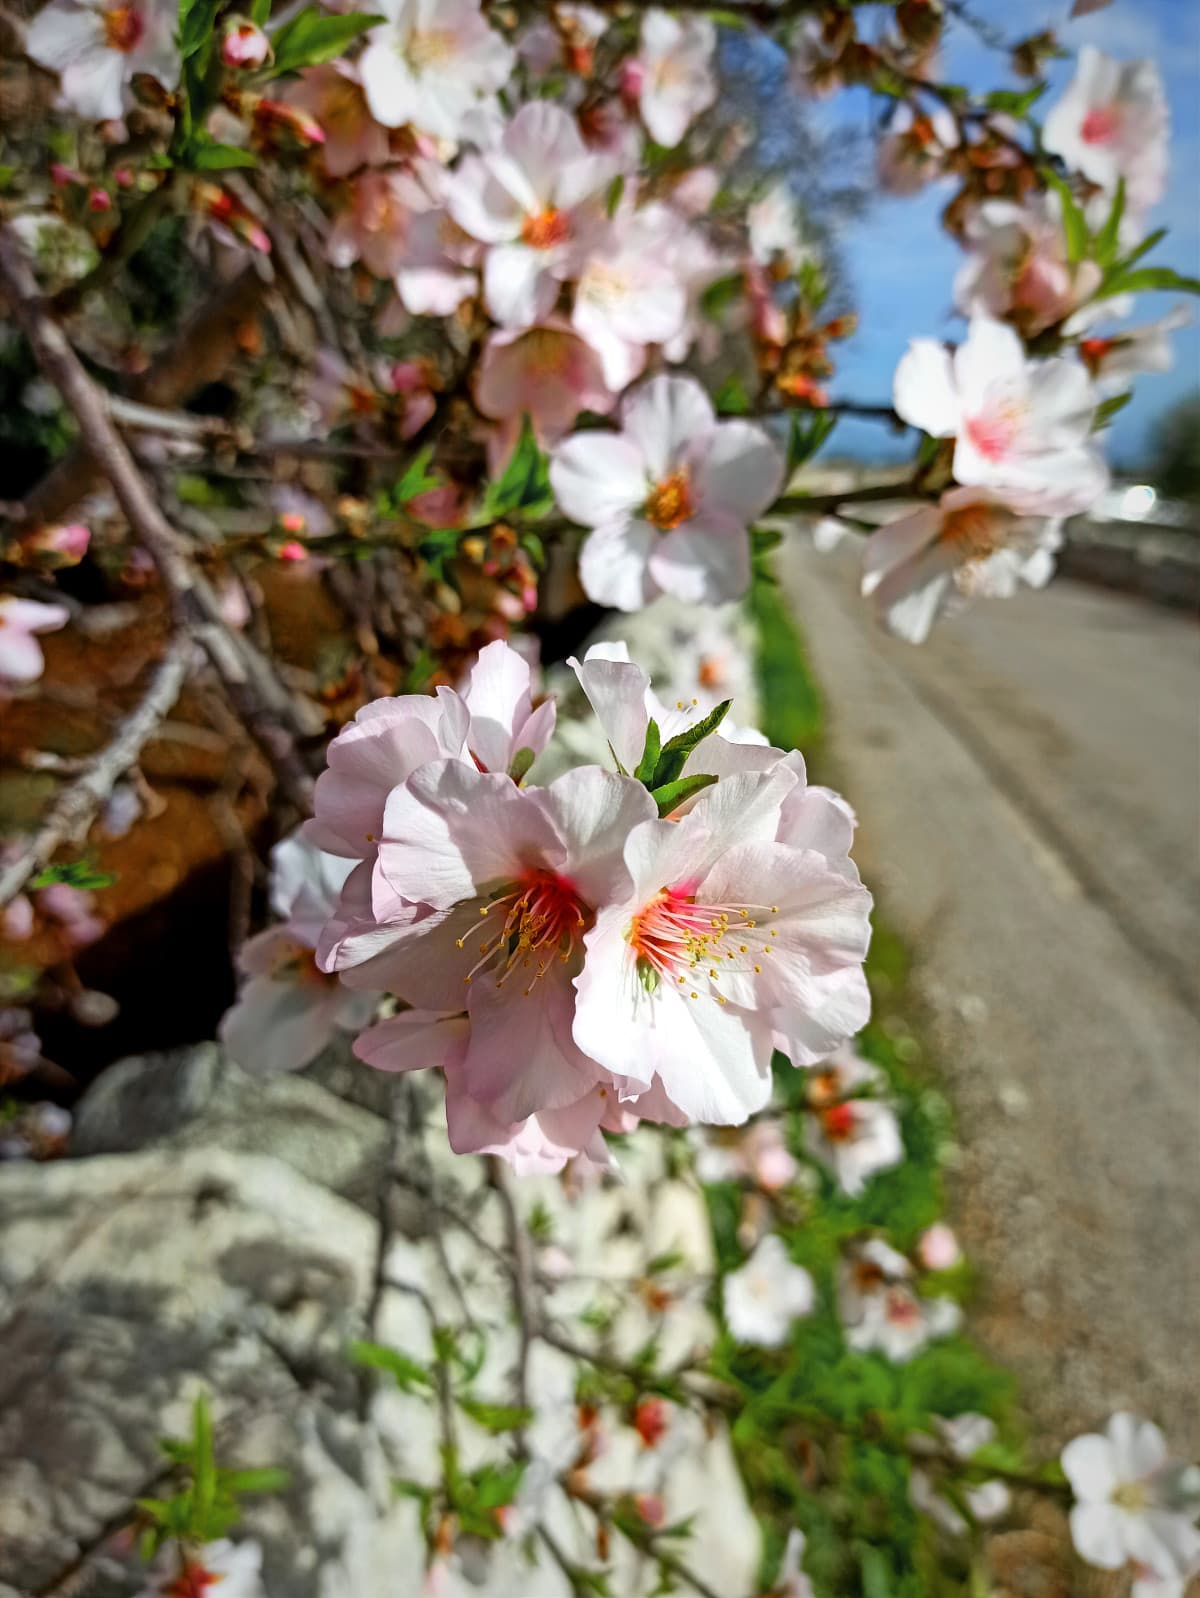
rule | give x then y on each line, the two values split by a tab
902	263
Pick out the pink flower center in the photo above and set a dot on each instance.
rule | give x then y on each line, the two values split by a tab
901	1308
546	229
193	1581
295	962
430	47
995	432
838	1123
1101	124
978	530
123	28
676	937
544	920
670	502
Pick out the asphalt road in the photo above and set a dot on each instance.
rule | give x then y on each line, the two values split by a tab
1027	788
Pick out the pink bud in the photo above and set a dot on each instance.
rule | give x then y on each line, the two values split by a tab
124	177
292	521
651	1508
63	175
937	1248
633	76
60	544
99	200
293	551
245	46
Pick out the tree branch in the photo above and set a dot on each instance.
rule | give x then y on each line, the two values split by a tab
75	807
256	692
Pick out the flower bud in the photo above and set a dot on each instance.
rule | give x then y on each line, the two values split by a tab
58	545
245	46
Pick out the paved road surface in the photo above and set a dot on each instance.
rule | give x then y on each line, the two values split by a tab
1027	786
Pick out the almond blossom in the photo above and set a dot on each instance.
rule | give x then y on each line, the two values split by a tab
880	1308
775	233
1018	267
619	692
735	940
961	1436
538	199
853	1137
629	294
1116	359
374	228
1111	125
485	727
289	1009
669	498
1020	426
431	64
759	1154
97	47
914	148
218	1570
791	1581
21	659
546	372
1132	1505
480	901
970	545
765	1295
672	78
333	94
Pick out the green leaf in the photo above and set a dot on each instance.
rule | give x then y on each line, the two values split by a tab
1146	279
1144	248
204	1468
259	11
806	434
520	764
524	484
721	294
406	1372
651	750
732	399
416	478
613	197
1016	102
496	1417
674	755
313	37
1108	237
268	1479
1075	228
672	794
1108	408
217	157
76	874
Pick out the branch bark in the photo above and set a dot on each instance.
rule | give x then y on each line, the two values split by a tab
75	807
266	707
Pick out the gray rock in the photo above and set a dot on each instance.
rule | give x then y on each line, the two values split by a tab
198	1097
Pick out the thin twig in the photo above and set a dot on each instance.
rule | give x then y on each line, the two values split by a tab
73	811
257	693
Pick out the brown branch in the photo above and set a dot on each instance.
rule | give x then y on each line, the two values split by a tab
198	357
74	809
259	697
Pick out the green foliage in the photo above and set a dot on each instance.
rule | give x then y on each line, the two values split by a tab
806	434
672	794
76	874
669	760
524	484
821	1430
408	1375
313	37
791	702
206	1505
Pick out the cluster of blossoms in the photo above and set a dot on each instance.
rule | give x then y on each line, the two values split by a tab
1038	268
614	946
